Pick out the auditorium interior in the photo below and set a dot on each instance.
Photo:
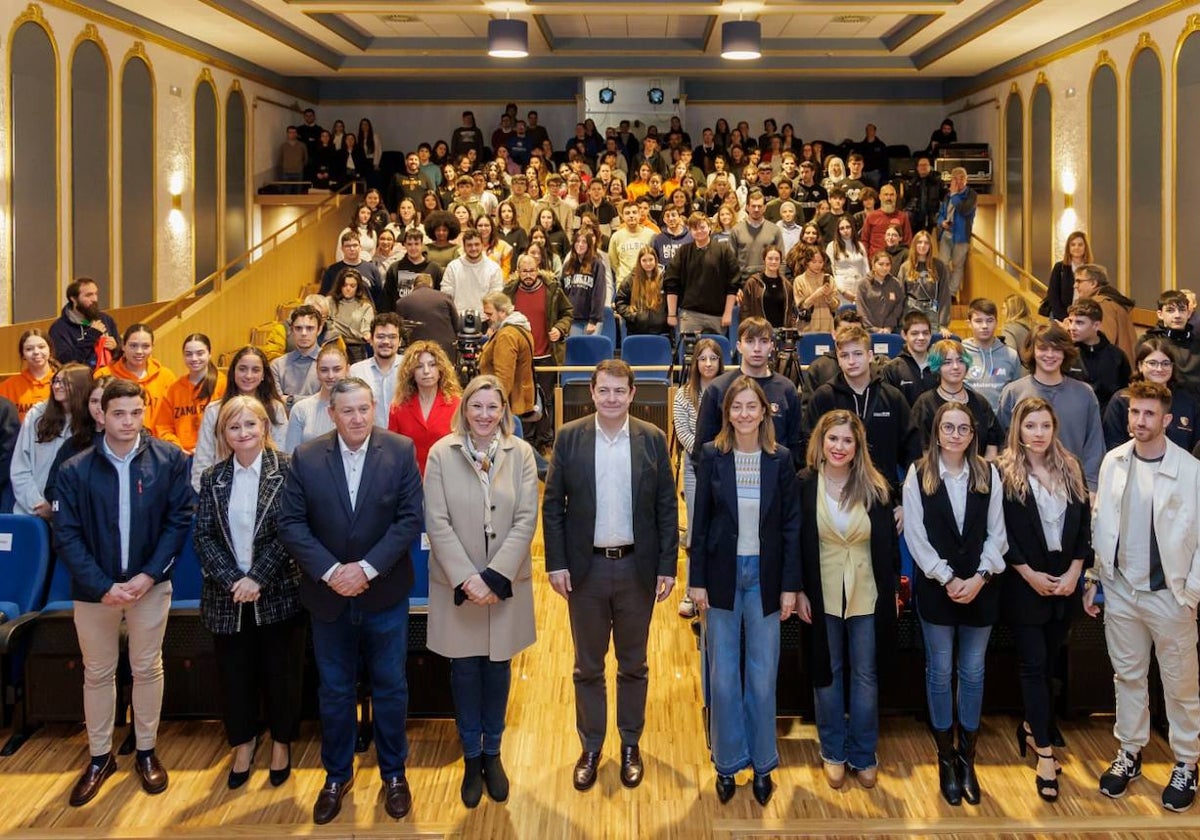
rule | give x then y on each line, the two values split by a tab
139	146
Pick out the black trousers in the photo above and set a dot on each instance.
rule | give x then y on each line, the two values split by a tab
1038	648
542	433
264	662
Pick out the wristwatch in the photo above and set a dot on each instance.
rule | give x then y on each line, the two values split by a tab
987	576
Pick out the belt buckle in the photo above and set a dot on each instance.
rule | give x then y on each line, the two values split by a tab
612	553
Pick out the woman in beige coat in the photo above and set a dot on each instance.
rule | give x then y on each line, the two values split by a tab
481	507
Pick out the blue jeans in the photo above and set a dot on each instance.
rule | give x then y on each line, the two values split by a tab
852	638
939	671
742	715
580	328
384	636
480	689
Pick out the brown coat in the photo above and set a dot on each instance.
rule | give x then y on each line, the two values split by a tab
508	355
454	522
1117	325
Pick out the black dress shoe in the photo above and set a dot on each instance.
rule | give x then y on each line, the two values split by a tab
631	766
237	778
585	770
472	783
152	773
91	781
726	788
397	798
763	788
278	777
329	801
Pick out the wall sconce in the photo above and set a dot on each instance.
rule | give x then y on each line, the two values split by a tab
175	188
1068	187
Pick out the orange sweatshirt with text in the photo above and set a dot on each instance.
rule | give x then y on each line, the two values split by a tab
181	411
156	382
25	392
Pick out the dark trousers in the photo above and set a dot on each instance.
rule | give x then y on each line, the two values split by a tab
541	434
384	635
1038	647
261	661
480	689
610	602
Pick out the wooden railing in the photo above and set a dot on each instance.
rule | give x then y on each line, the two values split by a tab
246	291
987	277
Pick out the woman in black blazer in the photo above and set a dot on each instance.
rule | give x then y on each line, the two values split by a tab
250	599
1048	519
850	558
744	577
1060	289
954	527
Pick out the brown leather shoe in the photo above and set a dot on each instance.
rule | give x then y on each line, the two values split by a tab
631	766
329	801
152	773
397	798
90	782
585	770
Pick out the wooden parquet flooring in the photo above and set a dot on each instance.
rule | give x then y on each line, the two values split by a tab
676	801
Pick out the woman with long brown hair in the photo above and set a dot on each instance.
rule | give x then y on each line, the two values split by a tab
32	384
426	398
1060	289
640	300
47	426
813	290
1048	517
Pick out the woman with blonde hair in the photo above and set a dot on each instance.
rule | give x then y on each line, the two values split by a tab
744	575
926	281
850	558
426	398
1048	518
640	300
1018	323
250	598
954	528
481	511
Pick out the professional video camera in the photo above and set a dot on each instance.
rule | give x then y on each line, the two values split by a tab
688	341
470	340
787	360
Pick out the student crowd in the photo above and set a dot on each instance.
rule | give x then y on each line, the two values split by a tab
1022	470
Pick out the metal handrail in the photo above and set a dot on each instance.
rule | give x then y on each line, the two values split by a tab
213	282
1030	281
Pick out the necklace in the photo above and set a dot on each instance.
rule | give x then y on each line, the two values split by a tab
955	396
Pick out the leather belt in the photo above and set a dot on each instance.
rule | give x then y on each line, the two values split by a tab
613	552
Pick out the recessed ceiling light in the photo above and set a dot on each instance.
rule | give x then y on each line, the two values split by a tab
852	18
398	19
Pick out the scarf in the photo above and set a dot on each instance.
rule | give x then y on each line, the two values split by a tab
483	461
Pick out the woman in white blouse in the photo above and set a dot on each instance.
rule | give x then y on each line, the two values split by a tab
954	527
310	416
847	260
250	598
1048	517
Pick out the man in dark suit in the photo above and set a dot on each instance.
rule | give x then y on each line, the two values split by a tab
610	521
352	506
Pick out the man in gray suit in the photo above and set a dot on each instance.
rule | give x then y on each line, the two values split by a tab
610	520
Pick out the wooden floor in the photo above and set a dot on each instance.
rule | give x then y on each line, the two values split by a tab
675	801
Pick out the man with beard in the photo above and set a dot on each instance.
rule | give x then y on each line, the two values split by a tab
81	325
924	195
808	192
412	184
877	222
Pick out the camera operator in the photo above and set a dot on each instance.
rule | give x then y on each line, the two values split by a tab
541	299
430	315
508	355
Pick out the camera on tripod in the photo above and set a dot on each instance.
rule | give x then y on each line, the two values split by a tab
469	342
688	341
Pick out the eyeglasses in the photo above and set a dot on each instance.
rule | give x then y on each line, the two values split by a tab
1158	364
962	430
62	383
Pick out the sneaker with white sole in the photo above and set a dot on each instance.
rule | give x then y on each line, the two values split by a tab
1120	773
1180	792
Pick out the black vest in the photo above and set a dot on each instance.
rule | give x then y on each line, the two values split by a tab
962	552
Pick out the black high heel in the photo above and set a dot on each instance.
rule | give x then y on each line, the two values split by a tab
1047	789
1024	741
278	777
237	778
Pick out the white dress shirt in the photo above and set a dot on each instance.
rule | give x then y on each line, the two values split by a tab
124	502
353	462
383	383
614	489
924	554
1052	510
243	510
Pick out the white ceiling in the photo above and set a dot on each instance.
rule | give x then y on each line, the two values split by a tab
325	39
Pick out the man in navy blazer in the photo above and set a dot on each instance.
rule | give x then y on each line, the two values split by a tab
610	520
352	506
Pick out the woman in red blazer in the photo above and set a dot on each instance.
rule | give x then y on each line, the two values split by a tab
427	395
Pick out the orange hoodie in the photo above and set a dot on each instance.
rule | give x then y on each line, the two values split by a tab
181	411
25	391
156	382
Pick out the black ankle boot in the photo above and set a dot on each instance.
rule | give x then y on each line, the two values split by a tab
966	765
948	767
495	778
472	783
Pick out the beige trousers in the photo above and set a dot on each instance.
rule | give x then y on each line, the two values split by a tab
99	629
1133	621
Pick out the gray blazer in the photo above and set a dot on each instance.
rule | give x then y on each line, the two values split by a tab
569	503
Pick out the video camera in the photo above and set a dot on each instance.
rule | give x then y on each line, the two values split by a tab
469	342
